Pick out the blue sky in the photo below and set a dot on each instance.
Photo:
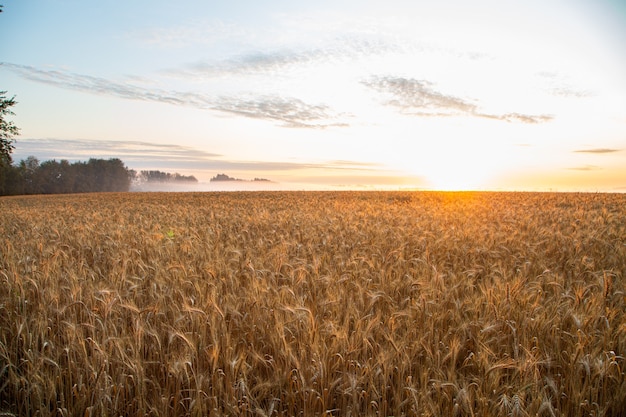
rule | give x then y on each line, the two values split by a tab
329	94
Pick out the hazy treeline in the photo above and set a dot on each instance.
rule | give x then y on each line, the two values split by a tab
60	177
160	176
224	177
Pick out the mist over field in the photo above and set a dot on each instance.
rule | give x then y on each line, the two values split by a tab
206	186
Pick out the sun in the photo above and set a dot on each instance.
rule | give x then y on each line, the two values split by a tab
458	177
456	181
455	171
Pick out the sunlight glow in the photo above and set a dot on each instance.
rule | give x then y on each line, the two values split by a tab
457	180
457	173
438	95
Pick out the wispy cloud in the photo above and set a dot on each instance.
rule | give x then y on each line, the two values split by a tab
192	32
97	85
288	111
145	155
597	150
569	92
518	117
585	168
557	84
419	97
138	154
353	165
133	151
292	112
250	63
277	60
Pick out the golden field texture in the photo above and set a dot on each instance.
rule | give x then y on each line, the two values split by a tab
313	303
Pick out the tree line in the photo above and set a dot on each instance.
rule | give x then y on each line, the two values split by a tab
160	176
61	177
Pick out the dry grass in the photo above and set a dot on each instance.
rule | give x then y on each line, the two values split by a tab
302	304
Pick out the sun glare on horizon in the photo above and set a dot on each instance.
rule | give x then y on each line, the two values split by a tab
455	180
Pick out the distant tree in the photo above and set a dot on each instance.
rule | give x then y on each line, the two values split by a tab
31	163
223	177
10	180
184	178
119	177
155	176
28	178
54	177
160	176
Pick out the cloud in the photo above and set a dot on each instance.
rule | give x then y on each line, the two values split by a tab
289	112
94	85
251	63
597	150
137	154
143	155
352	165
569	92
276	61
419	97
292	112
517	117
556	84
585	168
412	96
133	151
194	32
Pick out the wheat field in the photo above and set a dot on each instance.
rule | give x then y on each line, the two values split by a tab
313	303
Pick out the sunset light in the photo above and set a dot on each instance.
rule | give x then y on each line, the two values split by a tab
329	95
326	208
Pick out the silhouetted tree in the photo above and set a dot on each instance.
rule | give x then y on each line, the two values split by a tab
160	176
27	179
112	175
7	131
56	177
52	177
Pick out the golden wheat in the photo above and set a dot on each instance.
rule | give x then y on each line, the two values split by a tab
306	303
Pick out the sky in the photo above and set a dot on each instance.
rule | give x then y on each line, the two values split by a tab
446	95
